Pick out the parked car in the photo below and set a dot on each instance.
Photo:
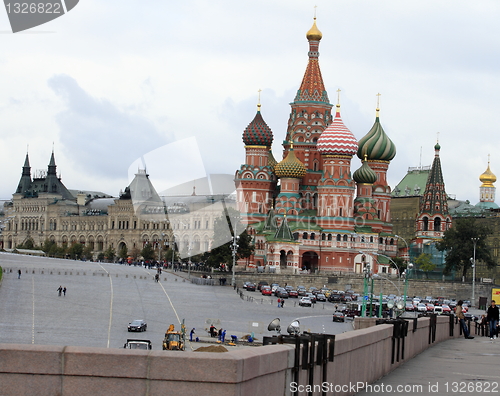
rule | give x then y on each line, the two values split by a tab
421	307
251	286
262	283
137	325
245	284
305	302
281	293
409	307
338	317
293	293
138	344
266	291
438	310
301	290
312	297
429	307
320	297
446	309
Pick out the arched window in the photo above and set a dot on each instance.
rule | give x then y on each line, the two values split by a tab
345	237
338	237
437	224
426	223
304	235
313	236
329	237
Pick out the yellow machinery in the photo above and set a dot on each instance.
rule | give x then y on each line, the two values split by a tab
174	340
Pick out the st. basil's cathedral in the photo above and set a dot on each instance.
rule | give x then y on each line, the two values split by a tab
308	212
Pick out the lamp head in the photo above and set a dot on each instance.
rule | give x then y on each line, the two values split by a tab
294	328
275	326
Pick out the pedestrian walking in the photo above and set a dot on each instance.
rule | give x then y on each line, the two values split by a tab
19	274
461	319
492	316
279	302
64	291
157	277
60	289
282	302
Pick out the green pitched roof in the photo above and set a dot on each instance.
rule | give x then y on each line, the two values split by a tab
413	184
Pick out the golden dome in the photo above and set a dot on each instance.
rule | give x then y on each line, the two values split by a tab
488	178
314	33
290	167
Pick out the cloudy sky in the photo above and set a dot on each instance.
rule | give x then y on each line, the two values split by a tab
114	81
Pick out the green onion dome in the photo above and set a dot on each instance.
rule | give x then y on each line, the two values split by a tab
376	145
365	174
258	133
290	167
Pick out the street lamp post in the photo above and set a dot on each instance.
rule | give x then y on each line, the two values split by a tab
407	277
189	260
367	271
473	299
234	250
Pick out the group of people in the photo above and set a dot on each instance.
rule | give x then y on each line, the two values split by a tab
281	302
491	320
220	334
61	290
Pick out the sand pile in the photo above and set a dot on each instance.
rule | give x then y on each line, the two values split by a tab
211	348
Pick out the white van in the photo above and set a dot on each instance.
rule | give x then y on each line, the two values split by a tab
438	310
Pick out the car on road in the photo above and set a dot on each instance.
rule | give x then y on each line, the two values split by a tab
305	302
301	290
338	317
137	325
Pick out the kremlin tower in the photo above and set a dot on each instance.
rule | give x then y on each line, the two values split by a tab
307	213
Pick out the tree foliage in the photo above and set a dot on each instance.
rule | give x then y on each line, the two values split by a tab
221	253
457	241
424	263
148	252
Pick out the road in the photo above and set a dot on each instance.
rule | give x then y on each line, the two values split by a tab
103	298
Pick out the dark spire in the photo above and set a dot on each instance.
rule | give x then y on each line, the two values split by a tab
52	165
284	231
25	182
435	198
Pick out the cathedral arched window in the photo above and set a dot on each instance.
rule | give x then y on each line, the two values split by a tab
304	235
338	237
313	236
345	237
437	224
426	223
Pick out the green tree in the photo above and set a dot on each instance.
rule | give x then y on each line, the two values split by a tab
401	264
135	252
87	252
148	253
123	253
75	251
109	254
459	247
223	228
424	263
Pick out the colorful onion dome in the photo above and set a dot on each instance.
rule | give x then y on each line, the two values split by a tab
365	174
376	145
488	178
314	33
290	167
258	133
271	161
336	139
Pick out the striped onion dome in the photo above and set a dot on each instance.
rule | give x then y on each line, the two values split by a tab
258	133
336	139
271	161
376	145
290	167
365	174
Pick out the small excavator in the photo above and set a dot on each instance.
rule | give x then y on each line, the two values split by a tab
174	340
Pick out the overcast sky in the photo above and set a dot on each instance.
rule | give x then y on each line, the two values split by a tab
114	80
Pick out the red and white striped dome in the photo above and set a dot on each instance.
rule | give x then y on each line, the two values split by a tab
336	139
